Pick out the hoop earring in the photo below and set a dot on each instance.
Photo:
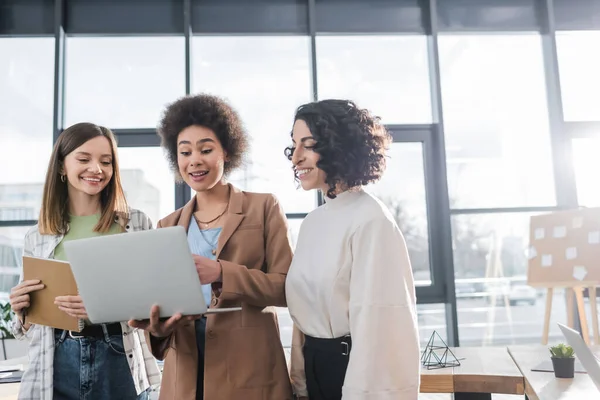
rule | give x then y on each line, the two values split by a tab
63	178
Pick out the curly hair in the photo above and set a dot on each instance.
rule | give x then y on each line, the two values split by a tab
210	112
350	141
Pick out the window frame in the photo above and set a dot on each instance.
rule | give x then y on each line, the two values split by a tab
55	17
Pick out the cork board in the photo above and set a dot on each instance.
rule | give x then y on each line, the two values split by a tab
564	249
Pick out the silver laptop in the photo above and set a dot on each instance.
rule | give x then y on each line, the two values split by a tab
583	353
120	277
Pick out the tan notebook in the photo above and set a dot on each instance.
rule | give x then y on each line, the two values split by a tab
59	281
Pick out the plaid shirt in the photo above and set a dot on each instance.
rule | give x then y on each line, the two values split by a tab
37	381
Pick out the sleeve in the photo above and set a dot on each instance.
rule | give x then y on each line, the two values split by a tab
16	325
140	221
385	357
257	287
297	374
158	346
147	222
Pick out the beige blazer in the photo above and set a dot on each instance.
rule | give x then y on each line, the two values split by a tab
244	356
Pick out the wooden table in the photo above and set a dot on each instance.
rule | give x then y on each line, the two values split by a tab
9	391
543	385
483	371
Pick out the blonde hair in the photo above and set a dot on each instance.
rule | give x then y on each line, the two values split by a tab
54	213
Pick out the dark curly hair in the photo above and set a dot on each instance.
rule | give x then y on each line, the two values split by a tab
350	141
210	112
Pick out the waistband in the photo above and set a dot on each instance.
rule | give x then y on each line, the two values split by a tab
95	331
338	345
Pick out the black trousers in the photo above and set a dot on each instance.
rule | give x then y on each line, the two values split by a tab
200	325
325	364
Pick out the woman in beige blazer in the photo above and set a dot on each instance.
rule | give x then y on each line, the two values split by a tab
242	255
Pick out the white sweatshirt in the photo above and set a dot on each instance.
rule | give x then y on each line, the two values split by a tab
351	274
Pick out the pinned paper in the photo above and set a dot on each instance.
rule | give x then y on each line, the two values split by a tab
540	233
547	260
577	223
531	253
594	237
560	231
571	253
579	272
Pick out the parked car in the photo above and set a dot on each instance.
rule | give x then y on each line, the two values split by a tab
520	293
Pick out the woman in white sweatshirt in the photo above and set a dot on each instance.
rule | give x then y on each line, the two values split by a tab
350	288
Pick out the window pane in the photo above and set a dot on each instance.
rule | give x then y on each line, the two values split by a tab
147	180
122	82
579	80
26	101
402	190
587	165
496	121
431	318
387	74
294	230
285	321
495	304
11	252
265	78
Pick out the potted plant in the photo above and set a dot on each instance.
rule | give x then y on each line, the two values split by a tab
5	320
563	361
10	347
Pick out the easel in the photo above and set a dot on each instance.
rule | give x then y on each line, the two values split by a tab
564	252
494	270
576	290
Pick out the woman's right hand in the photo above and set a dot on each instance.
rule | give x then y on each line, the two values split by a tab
158	328
19	295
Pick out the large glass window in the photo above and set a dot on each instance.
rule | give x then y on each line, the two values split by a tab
387	74
402	190
26	101
285	321
495	304
579	64
431	318
11	252
587	165
122	82
496	121
265	78
148	181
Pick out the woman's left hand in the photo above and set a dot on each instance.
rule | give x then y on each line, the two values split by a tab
209	271
72	305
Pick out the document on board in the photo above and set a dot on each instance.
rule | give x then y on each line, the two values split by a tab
58	280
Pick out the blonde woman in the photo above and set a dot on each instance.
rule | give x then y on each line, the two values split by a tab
82	198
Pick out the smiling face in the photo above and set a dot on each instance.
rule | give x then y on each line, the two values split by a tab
200	157
89	168
305	159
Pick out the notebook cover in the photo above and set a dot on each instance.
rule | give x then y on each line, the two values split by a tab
59	281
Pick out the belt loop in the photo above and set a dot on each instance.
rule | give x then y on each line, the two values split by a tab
106	335
346	343
63	336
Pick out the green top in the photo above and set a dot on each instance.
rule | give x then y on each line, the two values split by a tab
82	227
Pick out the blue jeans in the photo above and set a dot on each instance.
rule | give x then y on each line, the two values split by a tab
88	368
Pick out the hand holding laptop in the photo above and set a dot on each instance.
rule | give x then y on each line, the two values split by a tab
164	328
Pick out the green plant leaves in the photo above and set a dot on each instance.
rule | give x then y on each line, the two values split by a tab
561	351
